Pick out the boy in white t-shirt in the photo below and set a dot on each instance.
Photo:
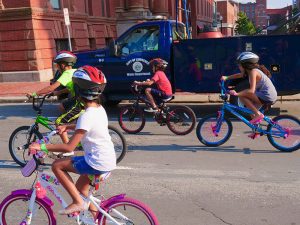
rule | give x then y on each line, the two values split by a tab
91	130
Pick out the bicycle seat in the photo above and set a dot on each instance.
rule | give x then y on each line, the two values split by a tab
168	99
98	178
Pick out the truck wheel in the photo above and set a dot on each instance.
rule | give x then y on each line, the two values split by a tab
106	102
112	102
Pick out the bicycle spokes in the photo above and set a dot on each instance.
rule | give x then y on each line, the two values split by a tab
284	133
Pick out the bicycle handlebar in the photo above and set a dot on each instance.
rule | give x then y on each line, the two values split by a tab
37	107
224	90
46	140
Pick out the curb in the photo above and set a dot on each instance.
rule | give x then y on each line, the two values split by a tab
179	98
20	99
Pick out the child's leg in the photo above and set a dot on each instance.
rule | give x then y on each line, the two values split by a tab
64	137
252	101
60	168
150	98
82	186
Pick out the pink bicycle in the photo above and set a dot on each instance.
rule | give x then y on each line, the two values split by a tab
32	206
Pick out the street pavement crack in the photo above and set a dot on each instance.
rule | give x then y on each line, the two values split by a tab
213	214
203	209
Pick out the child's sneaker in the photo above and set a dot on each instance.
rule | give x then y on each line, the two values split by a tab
150	110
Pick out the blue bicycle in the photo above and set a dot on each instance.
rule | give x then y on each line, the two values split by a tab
283	131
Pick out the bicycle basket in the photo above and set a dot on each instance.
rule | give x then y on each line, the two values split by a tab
37	103
30	167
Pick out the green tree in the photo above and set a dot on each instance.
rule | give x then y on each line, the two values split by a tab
243	25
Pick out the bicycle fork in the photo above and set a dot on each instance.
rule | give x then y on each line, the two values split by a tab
31	130
216	128
28	217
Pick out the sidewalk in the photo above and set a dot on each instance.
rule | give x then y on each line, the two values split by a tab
15	92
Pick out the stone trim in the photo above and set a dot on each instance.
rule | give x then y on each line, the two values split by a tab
26	76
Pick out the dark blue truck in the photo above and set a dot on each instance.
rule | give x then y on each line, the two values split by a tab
195	65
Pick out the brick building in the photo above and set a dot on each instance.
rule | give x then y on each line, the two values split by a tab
256	12
249	10
31	31
277	16
227	15
261	17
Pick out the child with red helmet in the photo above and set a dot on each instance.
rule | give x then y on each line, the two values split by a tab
164	88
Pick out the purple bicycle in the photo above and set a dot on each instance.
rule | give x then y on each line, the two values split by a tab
32	206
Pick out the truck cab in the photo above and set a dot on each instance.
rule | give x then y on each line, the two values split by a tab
127	58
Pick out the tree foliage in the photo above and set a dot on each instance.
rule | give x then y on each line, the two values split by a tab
243	25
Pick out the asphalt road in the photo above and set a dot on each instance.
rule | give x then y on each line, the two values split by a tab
243	182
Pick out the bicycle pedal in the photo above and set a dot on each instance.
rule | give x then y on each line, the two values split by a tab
74	214
254	135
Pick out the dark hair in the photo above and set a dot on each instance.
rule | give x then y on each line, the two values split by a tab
251	66
84	100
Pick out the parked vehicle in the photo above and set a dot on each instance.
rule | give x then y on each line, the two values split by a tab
195	65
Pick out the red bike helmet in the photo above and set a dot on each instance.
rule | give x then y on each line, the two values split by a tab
159	63
65	57
89	82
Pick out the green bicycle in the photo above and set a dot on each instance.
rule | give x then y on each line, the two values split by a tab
23	136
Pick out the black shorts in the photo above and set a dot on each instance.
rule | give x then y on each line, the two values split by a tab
264	102
70	115
69	103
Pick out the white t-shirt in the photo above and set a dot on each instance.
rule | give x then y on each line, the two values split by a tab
96	142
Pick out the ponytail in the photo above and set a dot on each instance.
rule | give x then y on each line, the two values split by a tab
265	71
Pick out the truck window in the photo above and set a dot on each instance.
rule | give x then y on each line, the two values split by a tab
179	34
140	39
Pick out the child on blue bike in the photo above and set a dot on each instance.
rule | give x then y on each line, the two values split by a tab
261	89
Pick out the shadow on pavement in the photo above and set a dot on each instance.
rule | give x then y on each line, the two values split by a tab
192	148
9	164
50	109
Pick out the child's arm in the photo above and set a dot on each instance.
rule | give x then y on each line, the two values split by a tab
65	90
68	147
63	128
232	77
47	90
144	83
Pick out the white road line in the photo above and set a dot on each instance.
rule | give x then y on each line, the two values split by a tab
124	168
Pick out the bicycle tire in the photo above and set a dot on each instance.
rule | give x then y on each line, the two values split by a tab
181	117
128	116
124	204
119	141
295	133
8	204
12	142
201	126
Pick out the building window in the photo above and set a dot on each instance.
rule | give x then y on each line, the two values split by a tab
62	44
108	40
103	8
89	7
108	8
92	42
55	4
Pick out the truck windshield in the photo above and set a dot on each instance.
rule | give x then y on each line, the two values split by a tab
140	39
